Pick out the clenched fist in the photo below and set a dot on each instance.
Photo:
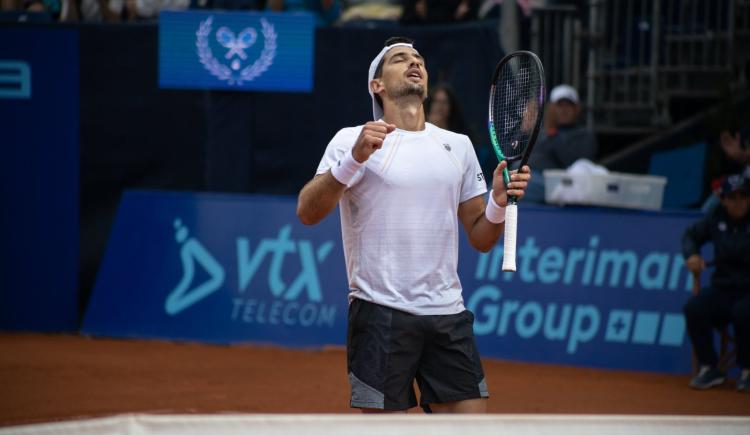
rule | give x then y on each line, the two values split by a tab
370	139
519	180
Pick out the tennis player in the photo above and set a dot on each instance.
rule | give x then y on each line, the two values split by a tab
403	185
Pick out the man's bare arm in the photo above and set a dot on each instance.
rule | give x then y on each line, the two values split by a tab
318	198
482	233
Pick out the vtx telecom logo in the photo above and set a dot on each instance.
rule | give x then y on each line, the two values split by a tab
298	303
192	252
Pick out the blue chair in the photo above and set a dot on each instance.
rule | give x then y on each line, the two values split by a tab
684	169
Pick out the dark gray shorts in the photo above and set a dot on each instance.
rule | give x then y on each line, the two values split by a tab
387	349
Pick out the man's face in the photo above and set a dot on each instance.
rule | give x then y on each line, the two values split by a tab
736	204
403	74
566	112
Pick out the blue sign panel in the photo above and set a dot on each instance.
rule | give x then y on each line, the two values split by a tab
39	179
242	51
16	79
590	290
595	288
221	269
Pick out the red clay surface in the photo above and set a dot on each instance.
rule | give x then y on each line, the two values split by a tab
58	377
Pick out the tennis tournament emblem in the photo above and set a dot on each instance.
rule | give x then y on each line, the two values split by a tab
234	65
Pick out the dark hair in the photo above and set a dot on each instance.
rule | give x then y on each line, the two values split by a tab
456	120
379	70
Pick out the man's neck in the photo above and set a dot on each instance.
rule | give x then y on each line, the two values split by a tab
406	114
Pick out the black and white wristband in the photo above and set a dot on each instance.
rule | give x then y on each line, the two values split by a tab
494	213
345	169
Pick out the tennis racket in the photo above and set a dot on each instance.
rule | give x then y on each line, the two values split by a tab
517	97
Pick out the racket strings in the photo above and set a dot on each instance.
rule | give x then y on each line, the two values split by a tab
516	105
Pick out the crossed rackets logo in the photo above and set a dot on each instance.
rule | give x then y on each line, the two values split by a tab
236	73
236	45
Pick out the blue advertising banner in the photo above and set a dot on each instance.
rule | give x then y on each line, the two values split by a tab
39	179
600	288
220	268
241	51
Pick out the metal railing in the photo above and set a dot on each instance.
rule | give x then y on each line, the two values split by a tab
638	55
556	38
623	63
647	52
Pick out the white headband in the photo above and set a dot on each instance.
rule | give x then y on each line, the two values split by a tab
377	111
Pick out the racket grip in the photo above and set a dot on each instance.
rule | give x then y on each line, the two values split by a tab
509	244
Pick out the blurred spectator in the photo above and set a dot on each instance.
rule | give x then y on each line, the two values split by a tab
493	8
119	10
24	10
727	300
736	149
326	11
354	10
439	11
91	10
49	6
490	9
713	200
443	110
149	9
138	10
563	141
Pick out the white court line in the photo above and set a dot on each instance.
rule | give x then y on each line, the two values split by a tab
335	424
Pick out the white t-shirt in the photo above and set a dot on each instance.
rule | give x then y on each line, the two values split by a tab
399	217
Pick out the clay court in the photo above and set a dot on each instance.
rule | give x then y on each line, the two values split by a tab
62	377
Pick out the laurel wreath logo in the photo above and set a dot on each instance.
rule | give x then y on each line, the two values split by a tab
223	72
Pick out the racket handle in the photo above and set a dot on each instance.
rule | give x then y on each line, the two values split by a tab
509	245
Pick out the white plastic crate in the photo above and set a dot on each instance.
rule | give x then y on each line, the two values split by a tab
614	189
